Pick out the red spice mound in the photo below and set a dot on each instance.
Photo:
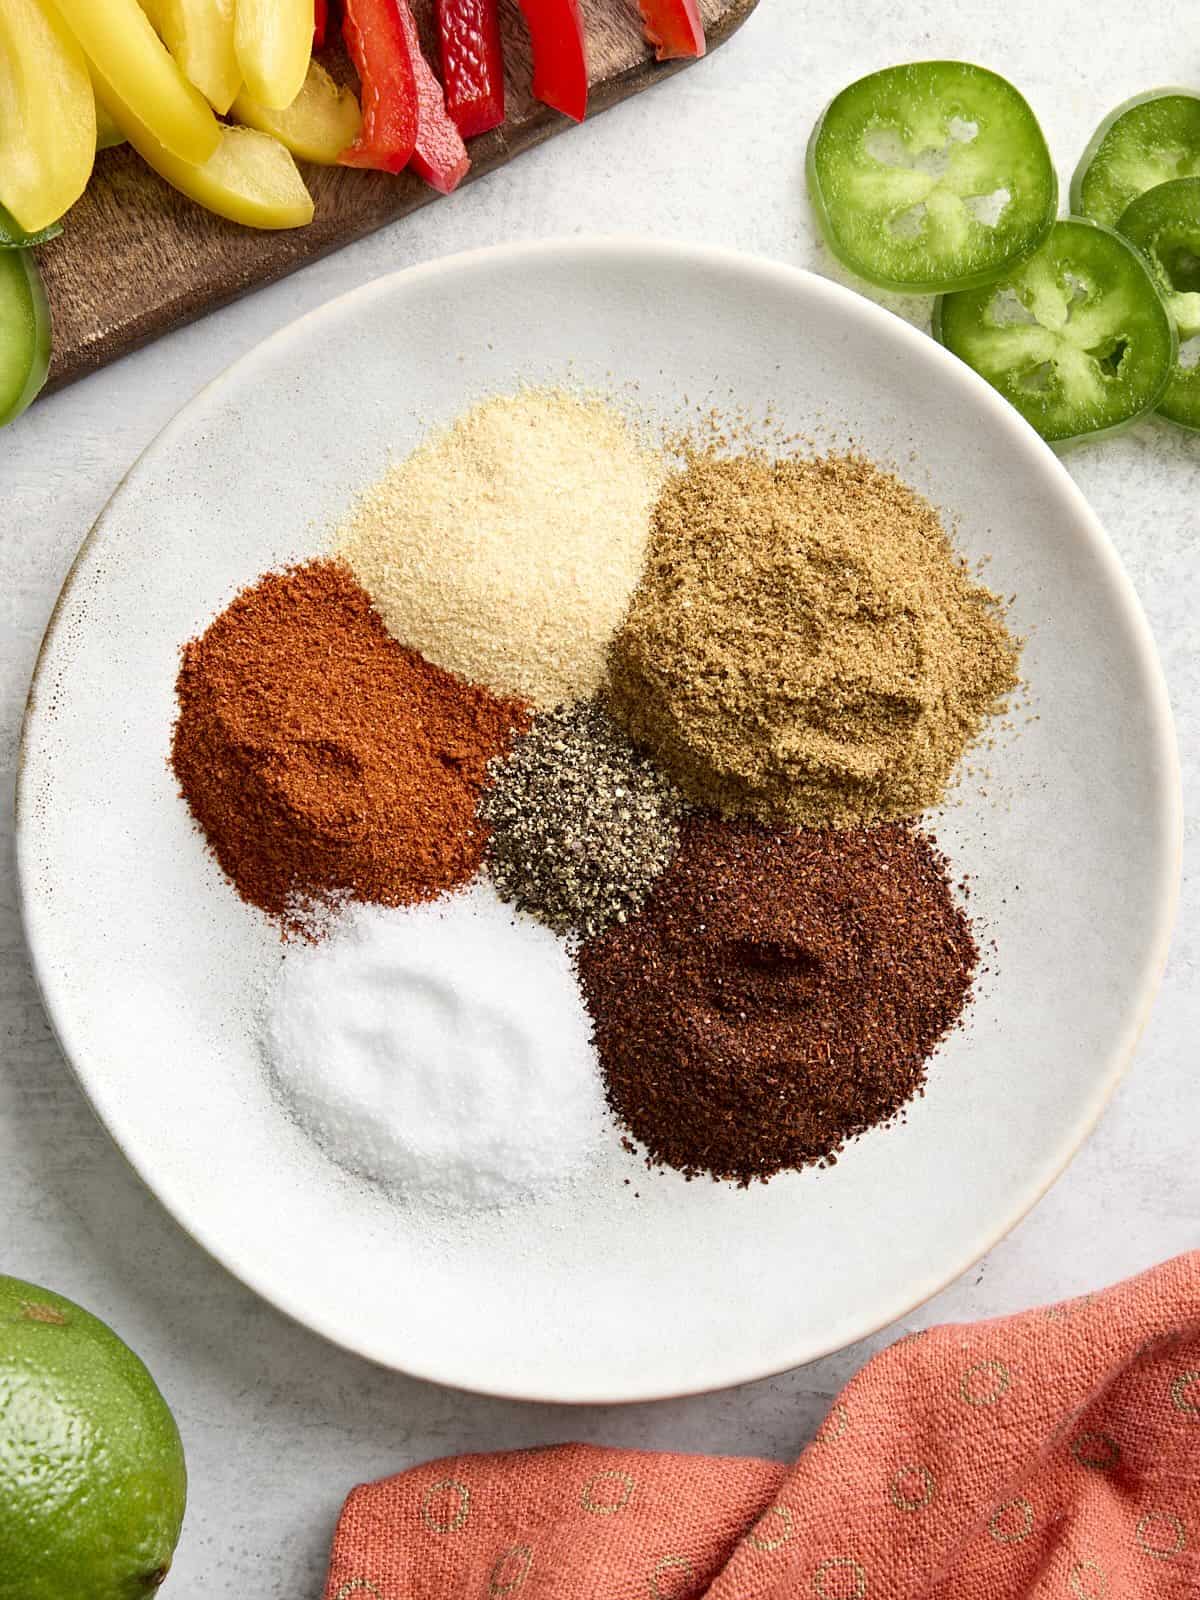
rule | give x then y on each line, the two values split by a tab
778	994
322	759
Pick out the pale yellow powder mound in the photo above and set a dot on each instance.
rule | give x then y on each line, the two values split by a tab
507	547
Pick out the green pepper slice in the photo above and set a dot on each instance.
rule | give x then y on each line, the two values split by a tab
1147	141
1164	223
931	177
1077	337
24	332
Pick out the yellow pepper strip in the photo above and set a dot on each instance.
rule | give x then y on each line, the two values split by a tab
250	179
199	34
318	125
133	67
273	40
47	115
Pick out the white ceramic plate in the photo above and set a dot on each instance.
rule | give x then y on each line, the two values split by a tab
150	965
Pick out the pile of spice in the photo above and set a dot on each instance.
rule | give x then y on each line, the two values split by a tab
441	1051
506	548
805	645
683	720
322	759
778	994
580	824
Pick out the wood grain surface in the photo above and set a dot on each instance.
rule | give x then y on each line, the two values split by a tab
137	259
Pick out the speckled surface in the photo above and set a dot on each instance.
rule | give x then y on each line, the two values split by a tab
277	1424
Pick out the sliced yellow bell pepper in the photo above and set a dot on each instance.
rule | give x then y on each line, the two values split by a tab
251	179
199	34
273	40
47	115
107	132
318	125
132	65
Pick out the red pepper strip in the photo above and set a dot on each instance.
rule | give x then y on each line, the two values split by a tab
673	27
320	22
560	72
378	42
472	64
440	156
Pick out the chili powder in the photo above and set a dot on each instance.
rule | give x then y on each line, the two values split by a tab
778	994
322	759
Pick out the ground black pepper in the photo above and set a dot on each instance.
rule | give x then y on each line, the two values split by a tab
778	994
581	823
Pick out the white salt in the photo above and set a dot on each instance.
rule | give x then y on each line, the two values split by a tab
442	1051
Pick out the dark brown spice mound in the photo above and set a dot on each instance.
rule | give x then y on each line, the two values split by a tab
322	759
778	994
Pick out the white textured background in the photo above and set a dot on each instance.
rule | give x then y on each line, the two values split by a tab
277	1424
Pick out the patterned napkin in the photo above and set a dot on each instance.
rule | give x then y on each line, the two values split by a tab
1051	1454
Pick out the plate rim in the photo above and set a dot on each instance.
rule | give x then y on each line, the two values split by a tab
715	1374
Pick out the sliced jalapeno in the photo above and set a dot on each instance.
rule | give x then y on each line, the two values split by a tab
1145	142
933	176
1164	223
1077	337
24	332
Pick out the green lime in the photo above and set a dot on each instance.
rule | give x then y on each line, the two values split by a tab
92	1478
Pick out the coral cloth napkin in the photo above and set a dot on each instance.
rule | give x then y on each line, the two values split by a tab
1051	1454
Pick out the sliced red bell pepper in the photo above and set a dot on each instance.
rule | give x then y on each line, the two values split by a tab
472	64
439	156
673	27
378	42
320	22
560	71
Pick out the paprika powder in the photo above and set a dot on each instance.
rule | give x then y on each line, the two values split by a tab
325	761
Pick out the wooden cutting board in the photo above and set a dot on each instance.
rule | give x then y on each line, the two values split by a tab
137	259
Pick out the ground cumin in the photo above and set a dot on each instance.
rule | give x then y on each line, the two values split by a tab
778	994
322	759
805	645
